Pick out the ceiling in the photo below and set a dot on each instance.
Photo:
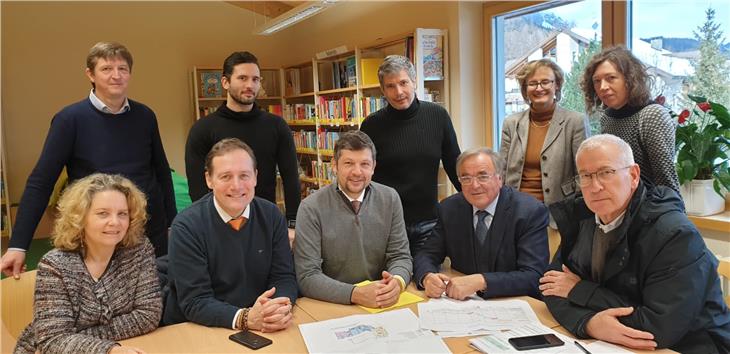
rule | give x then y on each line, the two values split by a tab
269	9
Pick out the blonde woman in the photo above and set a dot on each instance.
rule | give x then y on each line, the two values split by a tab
99	284
539	144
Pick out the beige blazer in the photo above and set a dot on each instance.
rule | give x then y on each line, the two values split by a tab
567	130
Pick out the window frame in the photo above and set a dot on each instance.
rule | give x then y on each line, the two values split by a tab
614	27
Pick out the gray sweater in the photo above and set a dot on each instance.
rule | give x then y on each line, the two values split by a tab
336	248
650	132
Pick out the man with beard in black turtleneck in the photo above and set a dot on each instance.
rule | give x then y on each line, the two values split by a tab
411	138
268	135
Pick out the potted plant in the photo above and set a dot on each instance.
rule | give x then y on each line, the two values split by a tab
703	145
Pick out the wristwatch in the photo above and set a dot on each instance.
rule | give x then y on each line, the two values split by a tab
291	224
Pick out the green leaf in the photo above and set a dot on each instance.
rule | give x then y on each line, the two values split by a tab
686	171
697	99
721	114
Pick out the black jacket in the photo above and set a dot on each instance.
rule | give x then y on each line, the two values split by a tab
660	267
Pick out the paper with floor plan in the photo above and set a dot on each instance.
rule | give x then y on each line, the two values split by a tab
394	331
471	315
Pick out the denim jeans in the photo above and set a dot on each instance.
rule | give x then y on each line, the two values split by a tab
418	232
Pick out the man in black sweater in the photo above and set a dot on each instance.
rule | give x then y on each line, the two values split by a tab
411	137
268	135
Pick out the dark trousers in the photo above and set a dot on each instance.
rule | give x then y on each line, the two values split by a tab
418	232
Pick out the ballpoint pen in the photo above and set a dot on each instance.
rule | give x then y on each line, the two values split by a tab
581	347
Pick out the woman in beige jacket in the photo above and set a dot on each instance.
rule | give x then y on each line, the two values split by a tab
539	144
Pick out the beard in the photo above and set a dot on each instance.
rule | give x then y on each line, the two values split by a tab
244	101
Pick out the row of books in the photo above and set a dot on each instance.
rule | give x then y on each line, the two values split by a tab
206	110
343	74
323	171
299	111
309	139
337	108
327	140
370	105
274	109
305	139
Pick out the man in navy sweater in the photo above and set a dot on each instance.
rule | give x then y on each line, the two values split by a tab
229	251
105	132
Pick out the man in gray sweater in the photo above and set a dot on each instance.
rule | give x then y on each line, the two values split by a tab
352	231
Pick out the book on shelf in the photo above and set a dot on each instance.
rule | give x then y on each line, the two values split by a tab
350	72
211	84
299	111
369	105
306	139
327	140
433	57
206	110
369	69
275	109
293	85
336	108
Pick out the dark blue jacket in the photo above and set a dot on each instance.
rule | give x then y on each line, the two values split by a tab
516	253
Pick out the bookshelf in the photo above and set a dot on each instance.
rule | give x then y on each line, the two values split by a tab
209	94
323	97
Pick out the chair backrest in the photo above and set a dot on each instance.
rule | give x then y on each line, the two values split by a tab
724	269
17	302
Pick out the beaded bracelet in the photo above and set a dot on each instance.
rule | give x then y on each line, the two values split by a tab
245	318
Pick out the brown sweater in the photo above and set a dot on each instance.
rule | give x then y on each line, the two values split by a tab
75	314
531	172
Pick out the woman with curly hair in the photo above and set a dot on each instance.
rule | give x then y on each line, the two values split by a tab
616	84
99	284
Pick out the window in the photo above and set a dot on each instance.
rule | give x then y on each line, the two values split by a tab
683	48
568	33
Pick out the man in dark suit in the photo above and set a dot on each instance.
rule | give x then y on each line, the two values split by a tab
492	233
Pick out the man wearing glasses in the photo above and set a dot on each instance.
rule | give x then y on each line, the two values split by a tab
631	268
493	234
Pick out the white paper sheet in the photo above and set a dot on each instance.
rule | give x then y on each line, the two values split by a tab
387	332
472	315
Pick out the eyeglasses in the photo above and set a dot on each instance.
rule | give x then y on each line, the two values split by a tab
603	175
482	178
545	84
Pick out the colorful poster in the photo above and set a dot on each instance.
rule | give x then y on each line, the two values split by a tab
211	84
433	57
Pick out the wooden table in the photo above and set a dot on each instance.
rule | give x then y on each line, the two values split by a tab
189	337
192	338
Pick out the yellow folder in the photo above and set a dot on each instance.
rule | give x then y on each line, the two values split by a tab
405	298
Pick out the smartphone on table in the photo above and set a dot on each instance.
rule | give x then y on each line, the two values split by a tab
535	342
250	339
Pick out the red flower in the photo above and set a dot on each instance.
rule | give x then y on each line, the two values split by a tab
660	100
704	106
683	116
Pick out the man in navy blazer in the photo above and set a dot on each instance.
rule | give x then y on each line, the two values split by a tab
493	234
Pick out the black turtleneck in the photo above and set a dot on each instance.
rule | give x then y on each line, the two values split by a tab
271	140
410	144
624	112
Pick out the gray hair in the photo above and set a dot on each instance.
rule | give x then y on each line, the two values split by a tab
626	156
497	160
393	64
